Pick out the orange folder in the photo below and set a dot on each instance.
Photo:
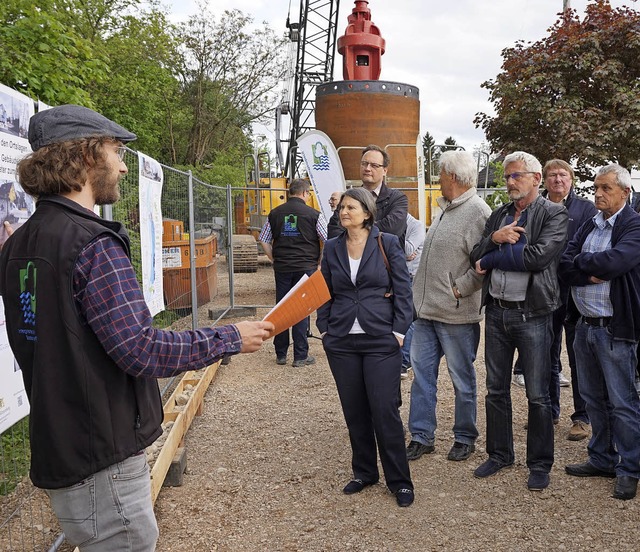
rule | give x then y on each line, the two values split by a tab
310	293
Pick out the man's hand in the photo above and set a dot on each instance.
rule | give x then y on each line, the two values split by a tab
595	280
479	269
253	334
400	340
507	234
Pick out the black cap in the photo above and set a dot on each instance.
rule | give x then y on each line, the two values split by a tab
70	122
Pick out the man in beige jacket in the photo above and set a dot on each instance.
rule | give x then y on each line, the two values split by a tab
446	295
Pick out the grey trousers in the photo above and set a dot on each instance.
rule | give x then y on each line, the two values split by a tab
110	510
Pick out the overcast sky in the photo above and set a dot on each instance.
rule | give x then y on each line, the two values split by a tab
445	48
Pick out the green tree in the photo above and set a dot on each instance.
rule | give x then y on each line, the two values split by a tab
573	94
229	81
428	142
45	58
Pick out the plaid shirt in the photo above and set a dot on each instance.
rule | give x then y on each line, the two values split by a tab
594	300
109	297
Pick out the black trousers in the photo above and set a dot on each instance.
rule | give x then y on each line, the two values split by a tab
366	370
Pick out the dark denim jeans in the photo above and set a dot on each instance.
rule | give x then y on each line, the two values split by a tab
508	330
284	282
606	371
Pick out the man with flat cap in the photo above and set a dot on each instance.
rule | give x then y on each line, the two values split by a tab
81	332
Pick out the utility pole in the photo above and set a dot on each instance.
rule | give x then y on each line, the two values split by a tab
566	7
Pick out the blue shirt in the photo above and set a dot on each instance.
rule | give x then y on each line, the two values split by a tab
594	300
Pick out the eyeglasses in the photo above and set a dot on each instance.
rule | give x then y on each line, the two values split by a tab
517	175
365	164
558	175
121	151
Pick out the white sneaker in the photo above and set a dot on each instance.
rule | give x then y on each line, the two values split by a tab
518	379
564	382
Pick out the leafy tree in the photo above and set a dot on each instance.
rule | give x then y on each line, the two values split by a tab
43	57
573	94
229	81
142	92
428	142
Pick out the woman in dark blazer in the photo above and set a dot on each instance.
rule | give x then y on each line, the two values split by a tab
362	329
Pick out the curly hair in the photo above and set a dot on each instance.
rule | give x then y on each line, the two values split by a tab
61	167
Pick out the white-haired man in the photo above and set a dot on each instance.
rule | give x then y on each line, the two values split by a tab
446	295
603	267
519	253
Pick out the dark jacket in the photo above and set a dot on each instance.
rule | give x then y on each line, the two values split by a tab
86	413
620	265
391	214
580	209
296	245
378	315
537	253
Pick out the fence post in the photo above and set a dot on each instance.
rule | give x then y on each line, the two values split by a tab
230	215
192	258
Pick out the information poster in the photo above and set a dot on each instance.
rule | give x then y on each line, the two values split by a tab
151	179
16	207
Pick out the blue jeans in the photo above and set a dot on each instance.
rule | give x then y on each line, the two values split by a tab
406	347
284	282
508	330
110	510
459	344
606	372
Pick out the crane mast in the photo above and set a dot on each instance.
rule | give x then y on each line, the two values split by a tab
316	34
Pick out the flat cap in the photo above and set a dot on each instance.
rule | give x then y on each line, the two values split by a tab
71	122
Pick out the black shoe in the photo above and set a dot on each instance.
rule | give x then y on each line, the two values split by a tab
404	497
226	359
489	467
356	485
626	487
588	470
460	451
281	361
304	362
538	481
415	450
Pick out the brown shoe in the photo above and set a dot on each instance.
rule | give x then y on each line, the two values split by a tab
579	430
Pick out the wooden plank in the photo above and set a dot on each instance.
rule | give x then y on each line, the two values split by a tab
182	422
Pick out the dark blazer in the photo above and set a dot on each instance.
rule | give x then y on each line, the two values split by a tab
377	314
391	214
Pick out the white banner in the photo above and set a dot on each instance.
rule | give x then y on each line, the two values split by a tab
15	206
150	190
323	166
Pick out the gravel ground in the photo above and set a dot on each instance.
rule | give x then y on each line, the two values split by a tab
269	456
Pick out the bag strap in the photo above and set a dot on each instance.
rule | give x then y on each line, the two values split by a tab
389	291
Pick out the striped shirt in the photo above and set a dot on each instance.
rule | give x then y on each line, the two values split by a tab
108	296
266	234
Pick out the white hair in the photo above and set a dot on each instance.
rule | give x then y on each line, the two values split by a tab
623	177
529	161
462	165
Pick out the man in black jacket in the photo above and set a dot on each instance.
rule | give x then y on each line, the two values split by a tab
391	204
292	238
518	254
82	334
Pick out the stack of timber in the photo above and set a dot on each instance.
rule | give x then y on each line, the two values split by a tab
245	253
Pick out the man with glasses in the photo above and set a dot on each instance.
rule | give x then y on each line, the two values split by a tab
292	238
602	266
391	204
558	182
518	254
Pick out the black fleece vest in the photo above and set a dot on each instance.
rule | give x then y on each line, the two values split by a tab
296	246
86	413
